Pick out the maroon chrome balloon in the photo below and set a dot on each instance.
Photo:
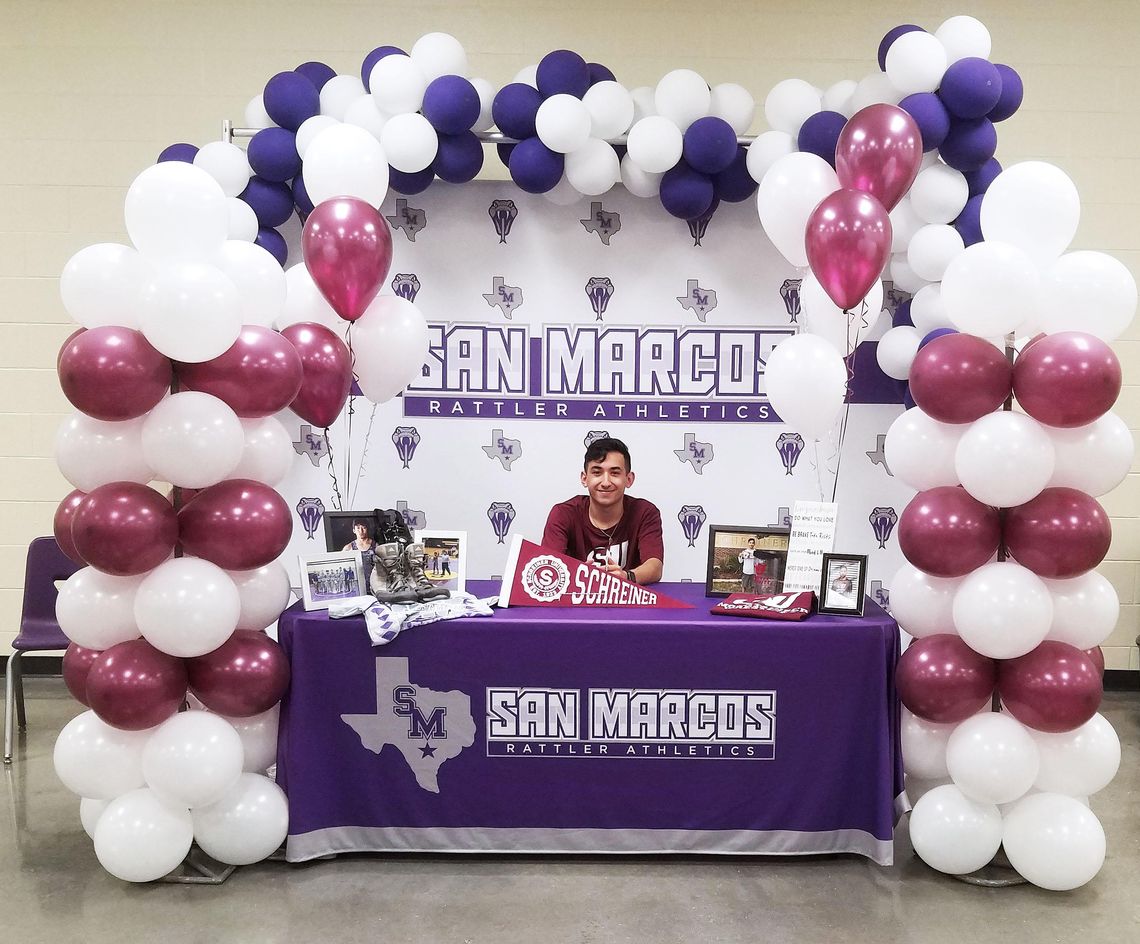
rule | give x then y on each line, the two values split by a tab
347	247
246	675
948	533
848	242
1059	534
879	151
77	662
238	524
941	679
326	369
258	376
1054	688
113	373
61	526
133	686
124	528
1067	379
959	378
1096	654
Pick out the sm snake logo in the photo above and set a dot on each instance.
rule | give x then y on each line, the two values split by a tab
419	726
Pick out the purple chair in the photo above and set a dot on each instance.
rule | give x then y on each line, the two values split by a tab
39	631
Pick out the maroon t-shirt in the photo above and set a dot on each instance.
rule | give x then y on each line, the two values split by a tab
635	539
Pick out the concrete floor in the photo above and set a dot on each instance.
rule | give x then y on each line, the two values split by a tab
54	889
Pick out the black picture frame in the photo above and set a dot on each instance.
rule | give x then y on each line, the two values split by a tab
840	571
725	569
339	534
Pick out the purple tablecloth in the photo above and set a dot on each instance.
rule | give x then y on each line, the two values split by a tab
593	730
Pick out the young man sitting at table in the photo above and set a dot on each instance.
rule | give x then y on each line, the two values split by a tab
606	527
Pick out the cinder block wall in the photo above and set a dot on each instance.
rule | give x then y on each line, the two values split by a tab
92	92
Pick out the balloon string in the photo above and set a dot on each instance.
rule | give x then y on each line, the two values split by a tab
337	501
850	360
351	411
815	463
364	452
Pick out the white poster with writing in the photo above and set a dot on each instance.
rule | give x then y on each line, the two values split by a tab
813	535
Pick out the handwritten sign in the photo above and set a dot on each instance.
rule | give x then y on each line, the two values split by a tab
813	535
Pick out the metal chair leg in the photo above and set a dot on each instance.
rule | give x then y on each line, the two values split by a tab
9	704
21	705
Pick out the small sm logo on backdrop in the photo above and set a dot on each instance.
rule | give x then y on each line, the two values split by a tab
501	514
410	219
504	297
700	301
405	439
503	213
507	451
310	511
698	454
789	446
415	520
603	222
883	521
692	518
545	578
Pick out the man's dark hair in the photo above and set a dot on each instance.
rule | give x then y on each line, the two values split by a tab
600	448
368	525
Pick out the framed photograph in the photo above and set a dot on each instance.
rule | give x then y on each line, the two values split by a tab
353	531
746	560
445	558
329	577
844	583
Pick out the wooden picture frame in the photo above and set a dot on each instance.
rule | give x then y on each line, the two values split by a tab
731	549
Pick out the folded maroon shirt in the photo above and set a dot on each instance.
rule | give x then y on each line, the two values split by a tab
774	606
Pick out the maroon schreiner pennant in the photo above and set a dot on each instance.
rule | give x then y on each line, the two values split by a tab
538	576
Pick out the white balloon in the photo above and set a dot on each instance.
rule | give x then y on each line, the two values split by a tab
563	123
247	824
258	735
905	222
486	90
390	341
94	760
102	284
928	311
637	181
789	192
258	278
193	758
439	54
176	209
896	351
363	113
268	452
1034	206
643	104
93	452
89	812
964	37
191	311
227	164
255	115
682	96
916	62
192	439
594	168
1094	458
311	127
243	223
1080	762
932	249
838	97
791	103
735	104
611	109
305	303
991	288
187	607
527	75
823	318
346	161
398	84
263	593
1085	610
920	450
954	834
97	610
992	758
768	148
904	276
1002	610
562	193
923	604
924	746
140	838
336	95
654	144
1054	841
939	193
1090	292
1005	459
409	141
875	88
806	383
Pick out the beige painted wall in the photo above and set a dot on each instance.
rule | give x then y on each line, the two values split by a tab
91	91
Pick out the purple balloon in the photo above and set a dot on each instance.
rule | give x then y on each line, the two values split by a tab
113	373
290	99
178	152
514	108
451	104
599	73
244	676
563	72
1012	93
271	202
272	154
133	686
820	133
316	72
934	336
409	184
534	167
734	183
124	529
969	144
947	532
238	524
709	145
274	243
892	35
1054	688
374	57
970	88
686	193
901	317
504	153
459	158
301	198
930	115
969	221
979	180
941	679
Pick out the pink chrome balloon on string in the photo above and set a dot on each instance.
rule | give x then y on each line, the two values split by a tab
326	373
347	247
848	242
259	375
879	152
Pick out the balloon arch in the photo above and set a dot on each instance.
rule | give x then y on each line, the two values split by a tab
192	338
